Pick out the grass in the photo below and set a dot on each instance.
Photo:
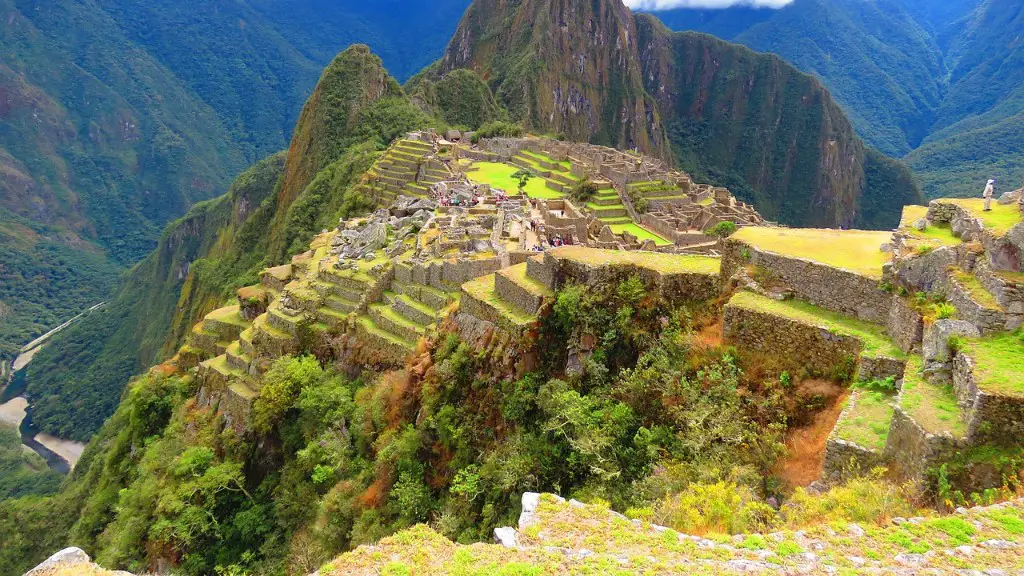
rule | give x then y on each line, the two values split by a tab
867	423
654	261
370	326
999	362
518	275
934	234
499	175
933	407
999	220
640	232
872	336
615	545
390	313
535	155
975	289
483	290
857	251
228	315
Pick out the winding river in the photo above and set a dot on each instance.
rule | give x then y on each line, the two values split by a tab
15	409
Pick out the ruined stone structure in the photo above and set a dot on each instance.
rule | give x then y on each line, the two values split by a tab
925	311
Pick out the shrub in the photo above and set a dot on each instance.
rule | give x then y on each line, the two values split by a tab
722	229
498	129
583	191
944	310
865	499
723	507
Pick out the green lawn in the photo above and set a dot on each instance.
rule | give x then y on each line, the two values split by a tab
640	232
873	336
656	261
867	423
1000	219
933	407
858	251
499	175
483	289
1000	363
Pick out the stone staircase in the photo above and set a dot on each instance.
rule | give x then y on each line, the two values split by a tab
656	191
398	172
556	174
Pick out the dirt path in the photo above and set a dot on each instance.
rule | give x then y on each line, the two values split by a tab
805	445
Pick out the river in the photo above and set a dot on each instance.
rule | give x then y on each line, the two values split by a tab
60	455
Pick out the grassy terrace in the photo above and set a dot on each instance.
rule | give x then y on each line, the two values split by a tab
518	275
857	251
976	289
535	156
499	175
640	232
999	220
367	323
867	423
933	407
483	290
873	337
999	363
934	234
655	261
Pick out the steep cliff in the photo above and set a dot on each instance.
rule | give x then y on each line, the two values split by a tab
564	66
76	381
752	122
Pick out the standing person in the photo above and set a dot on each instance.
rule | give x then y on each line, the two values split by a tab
990	189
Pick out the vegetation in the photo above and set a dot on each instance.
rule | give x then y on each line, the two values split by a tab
499	129
914	77
866	419
460	98
999	362
1000	219
23	473
933	406
500	175
857	251
722	229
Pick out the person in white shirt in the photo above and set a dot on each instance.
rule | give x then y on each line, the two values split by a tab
990	190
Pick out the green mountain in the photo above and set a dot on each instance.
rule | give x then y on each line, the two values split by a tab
739	119
118	115
937	82
816	172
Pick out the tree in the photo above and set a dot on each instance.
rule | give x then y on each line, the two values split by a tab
523	177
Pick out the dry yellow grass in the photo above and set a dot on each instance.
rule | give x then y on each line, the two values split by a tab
858	251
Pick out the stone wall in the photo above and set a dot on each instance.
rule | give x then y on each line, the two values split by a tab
678	237
675	288
926	272
987	320
910	451
447	274
800	345
1004	252
830	288
844	460
906	326
990	417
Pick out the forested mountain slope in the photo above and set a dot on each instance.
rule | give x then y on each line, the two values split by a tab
940	81
118	115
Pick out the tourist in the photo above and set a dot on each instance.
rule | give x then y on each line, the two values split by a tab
990	189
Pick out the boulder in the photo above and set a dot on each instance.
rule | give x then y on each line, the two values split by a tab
919	224
936	339
1010	197
506	536
65	558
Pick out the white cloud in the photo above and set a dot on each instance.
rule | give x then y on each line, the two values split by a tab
670	4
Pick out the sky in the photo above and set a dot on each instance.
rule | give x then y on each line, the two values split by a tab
669	4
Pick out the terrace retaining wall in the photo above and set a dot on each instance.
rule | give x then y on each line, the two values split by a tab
831	288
